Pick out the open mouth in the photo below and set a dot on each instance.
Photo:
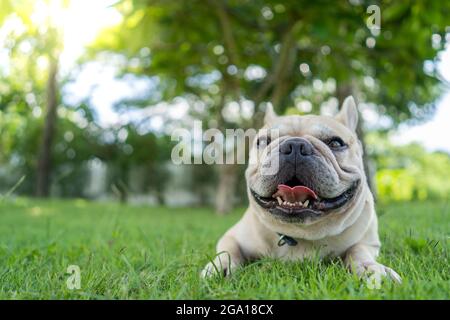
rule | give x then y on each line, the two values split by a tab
294	200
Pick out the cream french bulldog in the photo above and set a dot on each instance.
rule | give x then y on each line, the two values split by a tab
316	201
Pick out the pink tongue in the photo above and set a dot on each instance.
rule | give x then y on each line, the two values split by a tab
297	193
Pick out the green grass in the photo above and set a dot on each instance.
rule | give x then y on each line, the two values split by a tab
127	252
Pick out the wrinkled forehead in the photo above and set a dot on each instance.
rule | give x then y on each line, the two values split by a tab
317	126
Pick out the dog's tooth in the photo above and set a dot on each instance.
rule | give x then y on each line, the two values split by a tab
300	204
285	202
279	201
306	203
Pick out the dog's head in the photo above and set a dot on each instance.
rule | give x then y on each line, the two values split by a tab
305	169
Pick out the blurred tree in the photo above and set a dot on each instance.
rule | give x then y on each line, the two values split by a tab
33	50
31	108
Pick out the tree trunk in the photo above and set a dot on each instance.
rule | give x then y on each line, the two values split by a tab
226	188
278	81
287	59
44	166
344	91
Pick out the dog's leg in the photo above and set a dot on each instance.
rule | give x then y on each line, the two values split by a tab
229	257
361	257
361	260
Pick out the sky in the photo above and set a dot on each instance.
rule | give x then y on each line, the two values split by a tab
96	15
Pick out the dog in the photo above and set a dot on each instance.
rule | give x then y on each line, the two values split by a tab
314	201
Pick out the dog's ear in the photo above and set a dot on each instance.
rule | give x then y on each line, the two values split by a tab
270	114
348	115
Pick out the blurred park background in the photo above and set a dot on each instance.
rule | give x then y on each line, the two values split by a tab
90	91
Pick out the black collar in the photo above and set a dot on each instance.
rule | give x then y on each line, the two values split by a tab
284	239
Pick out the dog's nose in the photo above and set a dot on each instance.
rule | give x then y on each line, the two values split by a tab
294	146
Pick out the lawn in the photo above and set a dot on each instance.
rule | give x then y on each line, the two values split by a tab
137	252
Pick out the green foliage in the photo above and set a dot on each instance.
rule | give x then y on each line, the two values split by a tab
157	253
409	172
202	50
29	49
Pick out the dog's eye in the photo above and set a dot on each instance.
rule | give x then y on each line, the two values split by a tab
336	143
263	142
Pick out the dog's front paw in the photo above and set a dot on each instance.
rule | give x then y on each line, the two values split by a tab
374	272
223	265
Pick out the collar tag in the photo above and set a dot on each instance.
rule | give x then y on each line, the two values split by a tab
284	239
